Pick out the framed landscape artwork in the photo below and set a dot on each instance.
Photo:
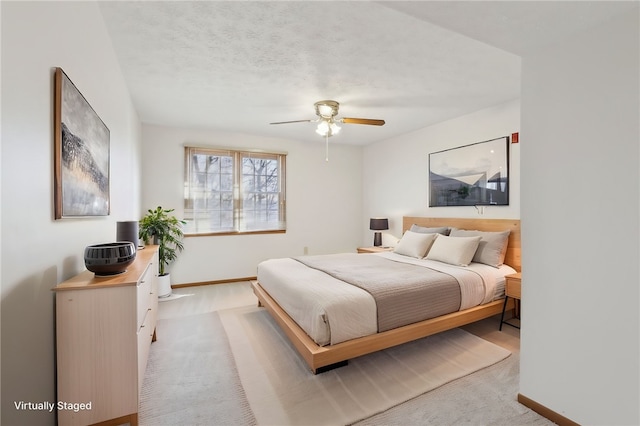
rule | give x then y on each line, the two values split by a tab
81	154
470	175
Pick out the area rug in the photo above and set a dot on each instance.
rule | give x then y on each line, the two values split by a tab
281	390
191	378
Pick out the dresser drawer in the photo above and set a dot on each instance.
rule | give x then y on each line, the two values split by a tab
513	287
145	335
143	296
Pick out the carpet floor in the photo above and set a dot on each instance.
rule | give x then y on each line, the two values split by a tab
236	367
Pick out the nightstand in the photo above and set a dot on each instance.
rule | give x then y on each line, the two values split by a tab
513	289
377	249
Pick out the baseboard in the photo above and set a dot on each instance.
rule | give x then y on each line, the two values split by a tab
227	281
558	419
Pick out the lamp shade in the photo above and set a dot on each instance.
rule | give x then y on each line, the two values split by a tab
378	224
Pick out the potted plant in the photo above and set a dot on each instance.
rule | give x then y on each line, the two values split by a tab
160	227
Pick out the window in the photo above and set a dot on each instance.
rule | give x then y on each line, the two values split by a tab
228	191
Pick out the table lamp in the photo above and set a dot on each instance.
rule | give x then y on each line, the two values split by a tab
378	224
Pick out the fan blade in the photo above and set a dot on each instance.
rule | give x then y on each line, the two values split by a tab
369	121
295	121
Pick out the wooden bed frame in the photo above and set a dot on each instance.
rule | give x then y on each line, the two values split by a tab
322	358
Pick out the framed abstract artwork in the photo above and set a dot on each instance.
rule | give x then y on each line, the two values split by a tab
470	175
81	154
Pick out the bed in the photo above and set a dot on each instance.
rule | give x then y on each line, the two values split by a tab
310	320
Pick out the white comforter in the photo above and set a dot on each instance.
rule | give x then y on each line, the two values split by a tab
331	311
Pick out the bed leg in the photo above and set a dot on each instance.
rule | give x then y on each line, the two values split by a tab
329	367
259	303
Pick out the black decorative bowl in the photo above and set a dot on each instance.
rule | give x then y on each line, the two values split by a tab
109	258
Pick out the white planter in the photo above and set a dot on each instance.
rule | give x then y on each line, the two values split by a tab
164	285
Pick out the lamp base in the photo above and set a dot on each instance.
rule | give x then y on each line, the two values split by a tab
377	239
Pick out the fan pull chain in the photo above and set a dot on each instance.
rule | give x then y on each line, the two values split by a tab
326	154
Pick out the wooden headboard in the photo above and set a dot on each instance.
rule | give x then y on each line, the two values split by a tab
512	258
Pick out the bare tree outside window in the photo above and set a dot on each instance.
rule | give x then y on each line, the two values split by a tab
233	191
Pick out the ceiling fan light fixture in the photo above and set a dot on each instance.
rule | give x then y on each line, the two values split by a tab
323	128
327	109
327	128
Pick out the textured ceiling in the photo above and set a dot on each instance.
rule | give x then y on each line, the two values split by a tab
237	66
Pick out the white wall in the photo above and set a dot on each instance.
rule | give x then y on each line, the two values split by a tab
580	225
396	171
324	201
37	251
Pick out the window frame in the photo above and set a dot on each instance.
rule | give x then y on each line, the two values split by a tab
238	155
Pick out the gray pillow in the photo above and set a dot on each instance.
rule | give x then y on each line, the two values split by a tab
444	230
492	247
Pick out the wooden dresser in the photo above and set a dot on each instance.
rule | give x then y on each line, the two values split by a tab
104	329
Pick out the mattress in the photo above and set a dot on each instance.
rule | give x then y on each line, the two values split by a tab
331	310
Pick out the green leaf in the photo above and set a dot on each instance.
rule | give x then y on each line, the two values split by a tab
165	230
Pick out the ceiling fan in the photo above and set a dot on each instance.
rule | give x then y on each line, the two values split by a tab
328	122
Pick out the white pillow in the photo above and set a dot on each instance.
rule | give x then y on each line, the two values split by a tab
414	244
454	250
